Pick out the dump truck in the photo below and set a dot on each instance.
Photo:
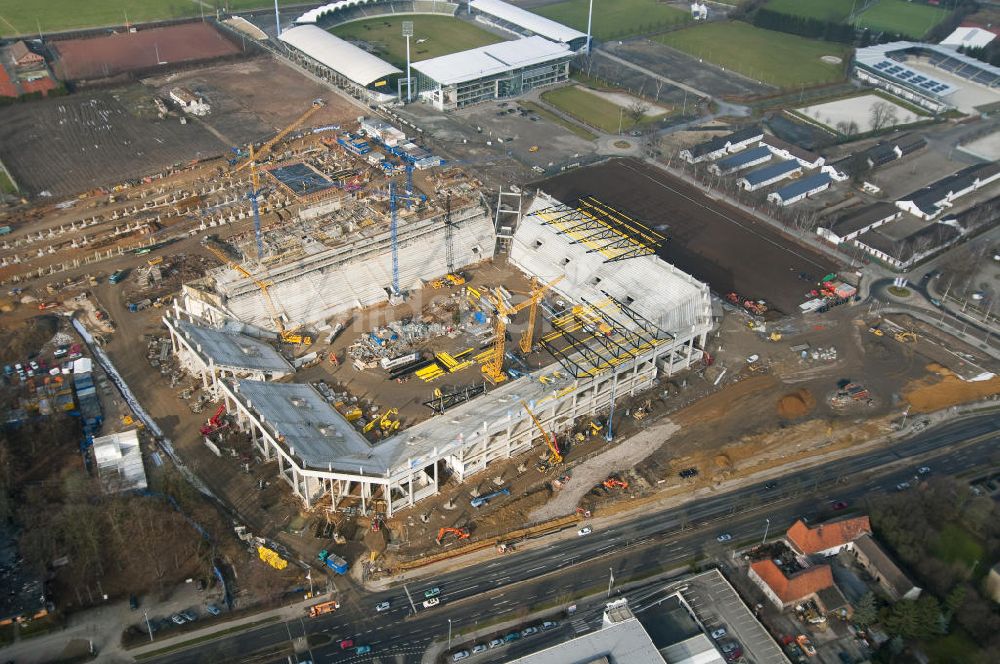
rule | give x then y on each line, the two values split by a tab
323	608
333	561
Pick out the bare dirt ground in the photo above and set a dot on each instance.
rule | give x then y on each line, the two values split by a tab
254	98
710	241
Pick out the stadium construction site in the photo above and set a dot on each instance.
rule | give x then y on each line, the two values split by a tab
432	291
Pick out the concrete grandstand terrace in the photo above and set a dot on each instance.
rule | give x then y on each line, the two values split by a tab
103	57
707	239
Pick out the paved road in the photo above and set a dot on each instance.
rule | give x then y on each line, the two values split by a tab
671	538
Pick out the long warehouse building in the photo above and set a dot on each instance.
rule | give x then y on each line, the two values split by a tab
646	319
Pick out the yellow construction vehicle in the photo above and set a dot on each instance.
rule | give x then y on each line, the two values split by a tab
288	336
905	336
555	456
537	290
455	279
775	336
154	261
388	424
874	329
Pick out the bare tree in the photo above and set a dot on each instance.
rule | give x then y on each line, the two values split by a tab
636	111
882	115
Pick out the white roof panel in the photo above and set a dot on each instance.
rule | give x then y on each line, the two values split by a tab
490	60
342	56
968	37
527	20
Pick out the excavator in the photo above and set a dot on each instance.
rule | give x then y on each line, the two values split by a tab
461	533
555	455
613	482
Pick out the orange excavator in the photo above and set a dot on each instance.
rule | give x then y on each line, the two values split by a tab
613	482
462	534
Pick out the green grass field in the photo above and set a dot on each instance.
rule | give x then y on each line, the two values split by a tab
443	35
824	10
6	186
956	545
615	20
592	109
907	18
772	57
19	17
559	120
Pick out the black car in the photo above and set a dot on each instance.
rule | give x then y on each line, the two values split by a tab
770	485
688	472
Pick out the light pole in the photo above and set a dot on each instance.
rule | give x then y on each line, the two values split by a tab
609	435
767	524
590	16
408	32
277	17
449	633
145	614
611	580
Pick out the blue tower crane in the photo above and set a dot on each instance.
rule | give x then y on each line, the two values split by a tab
408	198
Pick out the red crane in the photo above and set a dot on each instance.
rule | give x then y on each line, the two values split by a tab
215	423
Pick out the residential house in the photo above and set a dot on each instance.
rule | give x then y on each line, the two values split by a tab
928	202
886	573
795	588
800	189
826	539
769	174
787	150
24	57
721	145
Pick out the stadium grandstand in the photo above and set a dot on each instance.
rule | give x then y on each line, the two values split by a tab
496	71
342	62
345	11
933	76
522	22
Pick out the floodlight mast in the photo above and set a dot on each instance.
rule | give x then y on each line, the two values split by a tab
408	32
277	18
590	16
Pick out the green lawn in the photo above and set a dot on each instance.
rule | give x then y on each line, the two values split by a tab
592	109
6	186
764	55
443	35
24	18
558	120
908	18
824	10
615	19
954	544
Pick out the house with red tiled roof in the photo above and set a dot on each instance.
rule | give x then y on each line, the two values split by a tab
795	588
827	539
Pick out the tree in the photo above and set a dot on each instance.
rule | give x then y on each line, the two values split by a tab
866	611
882	115
636	111
902	619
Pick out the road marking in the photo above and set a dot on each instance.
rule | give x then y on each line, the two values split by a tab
534	569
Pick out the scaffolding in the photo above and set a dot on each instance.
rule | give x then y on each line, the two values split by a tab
590	338
602	229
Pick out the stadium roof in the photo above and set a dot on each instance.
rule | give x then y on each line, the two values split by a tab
968	37
490	60
344	57
532	22
313	15
233	350
880	59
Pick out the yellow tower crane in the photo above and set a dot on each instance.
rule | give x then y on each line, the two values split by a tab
493	367
288	336
265	149
555	455
527	337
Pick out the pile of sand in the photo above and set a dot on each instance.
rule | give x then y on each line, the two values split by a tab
944	389
795	405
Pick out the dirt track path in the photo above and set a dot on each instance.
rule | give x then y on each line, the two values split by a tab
619	457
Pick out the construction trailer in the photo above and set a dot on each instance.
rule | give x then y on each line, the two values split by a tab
629	318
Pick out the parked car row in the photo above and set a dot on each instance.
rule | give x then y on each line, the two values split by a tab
510	637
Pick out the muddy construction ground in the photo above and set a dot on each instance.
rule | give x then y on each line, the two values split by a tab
70	144
717	244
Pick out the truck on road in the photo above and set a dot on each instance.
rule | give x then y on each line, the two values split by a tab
323	608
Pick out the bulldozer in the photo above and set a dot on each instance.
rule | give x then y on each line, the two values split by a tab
461	533
905	336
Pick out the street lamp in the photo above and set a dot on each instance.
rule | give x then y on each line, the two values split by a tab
611	580
449	633
767	525
145	613
590	15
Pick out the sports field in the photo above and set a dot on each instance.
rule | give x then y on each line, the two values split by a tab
24	18
908	18
615	20
432	36
771	57
592	109
834	11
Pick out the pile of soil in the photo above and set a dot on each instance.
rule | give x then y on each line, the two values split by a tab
796	405
945	389
16	343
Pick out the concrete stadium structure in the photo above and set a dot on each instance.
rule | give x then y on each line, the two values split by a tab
653	319
522	22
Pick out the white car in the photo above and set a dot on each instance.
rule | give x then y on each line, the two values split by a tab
923	470
461	654
495	643
719	633
382	606
433	601
753	358
478	648
724	537
584	531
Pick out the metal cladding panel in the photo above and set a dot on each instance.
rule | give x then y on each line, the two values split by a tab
339	55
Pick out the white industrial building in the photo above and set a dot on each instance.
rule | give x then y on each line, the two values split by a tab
497	71
341	62
651	319
119	461
522	22
800	189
